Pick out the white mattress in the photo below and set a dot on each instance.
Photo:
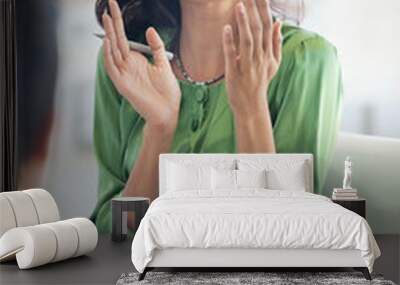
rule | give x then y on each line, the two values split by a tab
250	219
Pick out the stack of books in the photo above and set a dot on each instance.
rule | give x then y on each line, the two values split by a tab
344	194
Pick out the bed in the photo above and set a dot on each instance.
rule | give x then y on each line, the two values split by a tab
246	211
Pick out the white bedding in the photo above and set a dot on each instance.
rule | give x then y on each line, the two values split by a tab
250	218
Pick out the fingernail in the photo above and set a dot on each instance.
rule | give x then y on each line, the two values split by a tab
241	7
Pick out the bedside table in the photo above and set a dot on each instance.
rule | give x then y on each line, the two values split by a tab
358	206
120	207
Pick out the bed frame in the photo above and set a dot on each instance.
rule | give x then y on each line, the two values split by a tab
249	259
246	259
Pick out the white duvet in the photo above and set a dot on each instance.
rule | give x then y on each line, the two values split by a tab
251	218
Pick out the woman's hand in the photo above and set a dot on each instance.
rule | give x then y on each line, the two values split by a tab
252	63
151	89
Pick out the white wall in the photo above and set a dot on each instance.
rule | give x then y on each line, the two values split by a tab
367	36
365	33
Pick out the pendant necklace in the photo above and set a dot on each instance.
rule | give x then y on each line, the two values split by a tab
187	76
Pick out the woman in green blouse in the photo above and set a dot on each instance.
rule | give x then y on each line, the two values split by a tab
281	90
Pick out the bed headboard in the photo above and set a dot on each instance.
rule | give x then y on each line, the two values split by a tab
213	159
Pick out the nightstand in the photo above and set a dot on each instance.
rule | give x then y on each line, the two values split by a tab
358	206
120	207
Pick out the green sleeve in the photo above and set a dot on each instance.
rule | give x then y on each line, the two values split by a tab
309	112
108	146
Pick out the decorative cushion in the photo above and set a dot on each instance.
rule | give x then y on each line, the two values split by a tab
187	177
223	179
251	178
291	178
281	174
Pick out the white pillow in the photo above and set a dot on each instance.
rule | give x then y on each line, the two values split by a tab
223	179
187	177
281	174
251	178
293	179
288	179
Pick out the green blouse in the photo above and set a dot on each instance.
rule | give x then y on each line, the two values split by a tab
304	99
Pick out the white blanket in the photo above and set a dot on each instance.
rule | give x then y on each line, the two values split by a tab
251	218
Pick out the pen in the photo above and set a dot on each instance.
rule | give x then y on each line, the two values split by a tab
139	47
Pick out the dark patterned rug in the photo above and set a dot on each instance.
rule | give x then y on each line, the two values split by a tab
269	278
